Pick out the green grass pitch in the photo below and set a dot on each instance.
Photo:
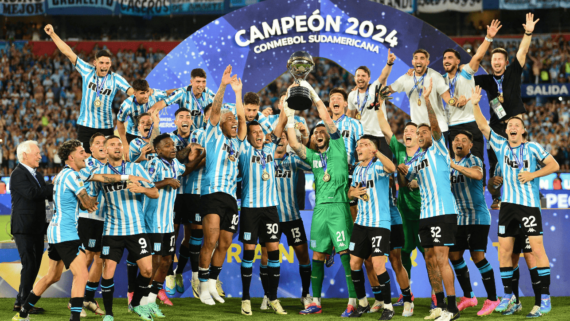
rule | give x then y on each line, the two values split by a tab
192	309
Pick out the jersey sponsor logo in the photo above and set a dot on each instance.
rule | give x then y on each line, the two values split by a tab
157	247
351	246
105	250
195	113
370	184
531	230
345	133
297	240
247	236
457	179
144	252
256	159
283	174
514	164
423	164
226	147
317	163
93	86
92	242
273	237
377	250
527	241
115	187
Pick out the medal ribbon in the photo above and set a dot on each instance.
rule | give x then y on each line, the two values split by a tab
123	167
339	119
451	87
183	140
150	131
364	173
419	84
261	155
170	166
360	108
416	156
232	151
99	88
197	101
520	162
324	162
499	84
279	162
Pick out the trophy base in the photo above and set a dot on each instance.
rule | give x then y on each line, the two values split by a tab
299	98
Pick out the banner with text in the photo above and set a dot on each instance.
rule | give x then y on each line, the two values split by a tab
546	90
435	6
22	7
532	4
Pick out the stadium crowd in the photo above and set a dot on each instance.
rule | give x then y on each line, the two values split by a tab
40	96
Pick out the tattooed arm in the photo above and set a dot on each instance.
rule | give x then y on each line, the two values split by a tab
435	130
182	155
87	202
219	98
299	148
115	178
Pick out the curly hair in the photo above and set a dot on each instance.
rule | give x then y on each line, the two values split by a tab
67	148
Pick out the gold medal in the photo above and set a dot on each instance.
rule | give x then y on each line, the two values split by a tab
327	177
265	176
419	102
232	158
365	197
501	98
97	103
452	101
358	117
297	125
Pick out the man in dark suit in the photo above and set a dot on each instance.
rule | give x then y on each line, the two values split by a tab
30	195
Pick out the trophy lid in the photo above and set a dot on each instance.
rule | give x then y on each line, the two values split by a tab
300	63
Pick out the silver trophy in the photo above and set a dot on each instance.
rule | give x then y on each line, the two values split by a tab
300	64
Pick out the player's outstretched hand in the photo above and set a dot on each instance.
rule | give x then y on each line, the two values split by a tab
138	179
236	84
494	28
391	57
227	77
427	90
530	23
49	29
476	95
462	101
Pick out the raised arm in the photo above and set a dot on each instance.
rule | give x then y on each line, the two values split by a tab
480	54
389	166
525	43
61	45
384	126
383	78
281	123
321	108
156	127
123	135
479	118
434	124
242	126
219	98
299	148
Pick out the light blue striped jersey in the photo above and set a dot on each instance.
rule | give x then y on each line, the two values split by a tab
91	165
274	119
221	172
98	117
159	213
256	192
375	212
191	183
351	130
432	170
286	175
135	150
63	224
395	217
265	123
132	110
513	190
185	98
124	210
469	195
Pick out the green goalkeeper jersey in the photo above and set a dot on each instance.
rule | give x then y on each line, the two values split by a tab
336	162
409	200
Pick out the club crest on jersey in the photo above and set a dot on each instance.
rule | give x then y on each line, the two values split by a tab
351	246
138	142
151	170
198	218
247	236
501	229
92	242
423	164
157	247
90	162
105	250
514	164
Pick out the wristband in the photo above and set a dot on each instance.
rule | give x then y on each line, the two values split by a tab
527	33
290	126
489	39
124	178
389	64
